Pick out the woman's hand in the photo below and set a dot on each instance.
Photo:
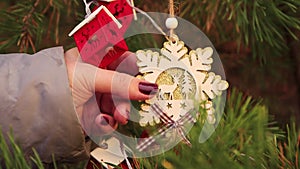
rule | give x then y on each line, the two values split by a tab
115	90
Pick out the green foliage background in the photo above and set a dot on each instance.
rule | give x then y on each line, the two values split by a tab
258	45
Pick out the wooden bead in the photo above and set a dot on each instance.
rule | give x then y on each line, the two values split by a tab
171	23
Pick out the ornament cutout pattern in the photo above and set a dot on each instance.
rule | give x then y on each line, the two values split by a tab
182	77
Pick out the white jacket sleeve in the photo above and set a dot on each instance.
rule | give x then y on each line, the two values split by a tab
36	103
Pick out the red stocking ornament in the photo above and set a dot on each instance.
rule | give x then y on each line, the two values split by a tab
99	37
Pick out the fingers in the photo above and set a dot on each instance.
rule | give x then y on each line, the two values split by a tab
126	63
122	112
85	79
94	122
118	108
124	85
88	79
106	123
106	104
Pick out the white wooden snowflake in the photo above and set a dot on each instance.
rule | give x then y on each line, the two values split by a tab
182	79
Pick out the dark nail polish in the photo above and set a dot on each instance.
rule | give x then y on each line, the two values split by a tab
148	88
104	121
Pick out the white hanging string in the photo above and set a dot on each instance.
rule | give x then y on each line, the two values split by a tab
88	4
148	16
125	155
171	11
133	10
131	4
87	7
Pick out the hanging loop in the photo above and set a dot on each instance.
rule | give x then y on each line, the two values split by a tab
87	7
171	22
88	3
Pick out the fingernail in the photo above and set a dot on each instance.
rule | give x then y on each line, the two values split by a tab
148	88
104	121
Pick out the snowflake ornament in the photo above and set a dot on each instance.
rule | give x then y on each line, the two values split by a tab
182	77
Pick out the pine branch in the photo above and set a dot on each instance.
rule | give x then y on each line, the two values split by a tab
245	138
25	24
28	16
26	37
261	25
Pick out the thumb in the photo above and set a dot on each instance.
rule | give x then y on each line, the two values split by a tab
89	79
123	85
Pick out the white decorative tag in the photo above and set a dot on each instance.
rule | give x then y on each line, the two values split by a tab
112	154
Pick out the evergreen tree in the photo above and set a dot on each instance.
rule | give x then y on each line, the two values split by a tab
186	85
